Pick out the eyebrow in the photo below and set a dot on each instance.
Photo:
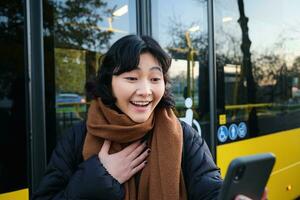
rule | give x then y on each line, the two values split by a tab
153	68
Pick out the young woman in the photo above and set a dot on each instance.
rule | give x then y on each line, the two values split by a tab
132	145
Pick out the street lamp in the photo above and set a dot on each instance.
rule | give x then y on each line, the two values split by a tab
117	13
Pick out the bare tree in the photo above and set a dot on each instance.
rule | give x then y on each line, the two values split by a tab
77	24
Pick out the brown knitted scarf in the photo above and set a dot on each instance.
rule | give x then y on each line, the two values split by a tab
162	177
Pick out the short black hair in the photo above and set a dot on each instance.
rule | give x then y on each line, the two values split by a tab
124	56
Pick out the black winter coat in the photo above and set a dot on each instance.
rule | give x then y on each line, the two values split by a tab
68	176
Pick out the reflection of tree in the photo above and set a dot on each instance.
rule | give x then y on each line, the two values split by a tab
229	46
73	25
70	73
229	52
178	46
77	24
265	68
234	50
191	47
246	70
296	66
70	26
11	21
283	87
295	71
272	74
11	44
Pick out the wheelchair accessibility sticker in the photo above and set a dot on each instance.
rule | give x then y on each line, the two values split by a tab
188	118
222	133
242	130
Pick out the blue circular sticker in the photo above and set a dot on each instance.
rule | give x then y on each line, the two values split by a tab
242	130
233	131
222	133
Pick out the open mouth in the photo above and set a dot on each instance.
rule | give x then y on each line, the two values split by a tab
140	103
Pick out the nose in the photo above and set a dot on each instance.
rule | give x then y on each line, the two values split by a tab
144	89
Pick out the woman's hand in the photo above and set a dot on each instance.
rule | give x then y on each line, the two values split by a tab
242	197
124	164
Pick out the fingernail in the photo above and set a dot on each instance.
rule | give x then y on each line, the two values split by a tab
149	150
146	162
241	197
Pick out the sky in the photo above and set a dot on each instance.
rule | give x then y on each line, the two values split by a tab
274	25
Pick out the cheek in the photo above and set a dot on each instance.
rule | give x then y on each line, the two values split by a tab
117	91
113	84
161	91
120	93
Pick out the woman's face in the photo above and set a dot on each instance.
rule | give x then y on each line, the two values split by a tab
139	91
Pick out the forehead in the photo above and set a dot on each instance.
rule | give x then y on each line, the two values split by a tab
148	61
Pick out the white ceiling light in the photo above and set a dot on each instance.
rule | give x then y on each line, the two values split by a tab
194	29
227	19
121	11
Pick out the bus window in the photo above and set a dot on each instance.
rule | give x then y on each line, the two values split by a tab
258	69
13	98
73	48
181	29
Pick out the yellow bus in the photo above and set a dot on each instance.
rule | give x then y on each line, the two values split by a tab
235	77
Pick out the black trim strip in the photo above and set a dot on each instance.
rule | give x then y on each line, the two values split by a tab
143	9
212	79
35	62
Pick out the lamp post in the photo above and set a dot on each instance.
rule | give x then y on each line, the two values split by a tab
190	58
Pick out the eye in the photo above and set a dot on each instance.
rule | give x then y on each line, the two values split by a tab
155	79
131	78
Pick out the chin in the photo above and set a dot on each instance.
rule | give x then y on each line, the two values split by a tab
139	119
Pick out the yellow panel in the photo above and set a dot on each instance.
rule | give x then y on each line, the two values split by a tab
16	195
222	119
284	182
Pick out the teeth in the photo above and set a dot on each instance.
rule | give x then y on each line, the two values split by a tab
141	103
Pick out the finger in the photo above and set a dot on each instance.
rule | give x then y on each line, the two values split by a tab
137	151
265	195
127	150
138	168
140	158
242	197
105	147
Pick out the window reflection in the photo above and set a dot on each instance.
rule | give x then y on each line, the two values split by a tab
257	59
81	31
92	25
13	98
181	28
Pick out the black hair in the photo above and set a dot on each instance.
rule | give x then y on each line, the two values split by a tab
124	56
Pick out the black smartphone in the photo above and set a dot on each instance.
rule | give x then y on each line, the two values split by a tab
247	175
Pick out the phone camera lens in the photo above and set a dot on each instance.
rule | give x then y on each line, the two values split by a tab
239	173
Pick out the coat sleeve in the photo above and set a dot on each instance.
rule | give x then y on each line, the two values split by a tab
202	176
69	177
